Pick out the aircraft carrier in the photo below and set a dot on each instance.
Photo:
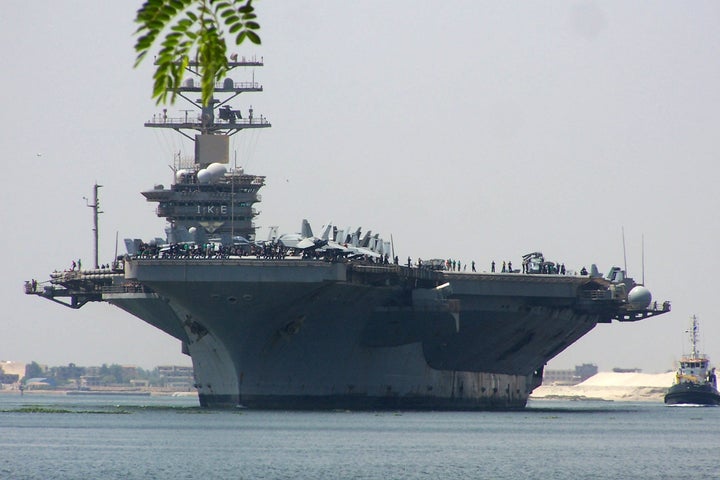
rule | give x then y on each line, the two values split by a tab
337	322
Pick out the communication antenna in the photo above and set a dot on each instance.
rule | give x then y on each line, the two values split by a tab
176	164
232	200
96	211
642	250
624	256
693	336
114	264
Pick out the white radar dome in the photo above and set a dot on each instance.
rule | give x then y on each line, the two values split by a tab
203	176
639	297
217	170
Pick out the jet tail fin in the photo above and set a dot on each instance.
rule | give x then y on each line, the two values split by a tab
132	245
305	230
366	239
340	236
273	233
326	233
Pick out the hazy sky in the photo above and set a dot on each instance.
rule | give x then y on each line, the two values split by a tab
467	129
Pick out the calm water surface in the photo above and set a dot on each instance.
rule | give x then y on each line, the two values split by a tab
61	437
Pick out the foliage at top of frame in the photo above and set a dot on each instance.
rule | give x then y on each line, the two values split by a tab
192	27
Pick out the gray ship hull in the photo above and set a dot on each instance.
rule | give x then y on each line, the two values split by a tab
309	334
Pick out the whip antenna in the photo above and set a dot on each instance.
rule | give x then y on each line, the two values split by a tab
624	256
642	250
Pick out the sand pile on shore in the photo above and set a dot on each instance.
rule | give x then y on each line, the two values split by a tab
631	387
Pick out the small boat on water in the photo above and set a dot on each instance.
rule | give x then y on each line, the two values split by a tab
695	382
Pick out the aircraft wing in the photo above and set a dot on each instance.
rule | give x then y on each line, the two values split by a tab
365	251
335	246
290	240
305	243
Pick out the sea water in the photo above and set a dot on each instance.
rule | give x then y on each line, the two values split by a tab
63	437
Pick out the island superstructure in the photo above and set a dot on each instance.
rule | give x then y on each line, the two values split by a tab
301	322
207	201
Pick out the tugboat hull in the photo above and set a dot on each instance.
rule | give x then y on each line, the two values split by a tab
692	394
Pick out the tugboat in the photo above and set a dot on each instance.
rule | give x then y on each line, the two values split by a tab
695	381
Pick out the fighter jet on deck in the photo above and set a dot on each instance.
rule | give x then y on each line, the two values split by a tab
305	239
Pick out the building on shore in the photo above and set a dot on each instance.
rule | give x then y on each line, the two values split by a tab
11	373
178	377
571	376
34	376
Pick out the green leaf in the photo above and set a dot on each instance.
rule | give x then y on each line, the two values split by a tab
253	37
199	26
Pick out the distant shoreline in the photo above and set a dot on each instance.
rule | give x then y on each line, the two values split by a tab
99	392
